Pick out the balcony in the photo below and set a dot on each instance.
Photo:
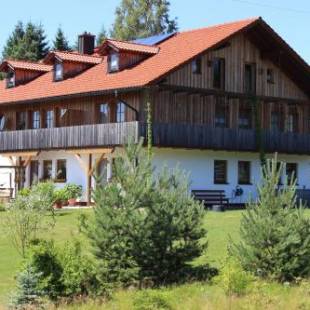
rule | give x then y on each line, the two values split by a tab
84	136
193	136
207	137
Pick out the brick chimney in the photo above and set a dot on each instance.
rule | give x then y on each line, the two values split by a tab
86	43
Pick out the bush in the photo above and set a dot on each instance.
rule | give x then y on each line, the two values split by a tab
29	214
233	279
60	196
145	229
43	258
151	300
274	231
79	273
2	207
73	191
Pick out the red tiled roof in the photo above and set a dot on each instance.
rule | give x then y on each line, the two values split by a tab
129	46
73	57
32	66
174	52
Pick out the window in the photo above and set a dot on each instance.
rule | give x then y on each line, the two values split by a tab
220	172
36	120
245	116
221	113
250	78
219	73
113	62
61	172
2	122
10	79
244	172
49	119
62	116
103	113
196	65
102	172
270	76
34	172
120	112
275	121
291	172
47	169
21	120
276	118
58	71
292	119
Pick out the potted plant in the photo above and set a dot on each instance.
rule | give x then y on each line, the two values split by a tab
73	192
60	197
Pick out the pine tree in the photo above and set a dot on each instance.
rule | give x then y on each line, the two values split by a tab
13	41
26	43
27	293
142	18
61	43
102	35
145	227
275	232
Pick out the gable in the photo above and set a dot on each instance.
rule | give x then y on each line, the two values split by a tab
239	51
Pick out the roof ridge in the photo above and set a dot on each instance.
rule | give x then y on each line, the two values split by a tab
75	53
25	61
253	19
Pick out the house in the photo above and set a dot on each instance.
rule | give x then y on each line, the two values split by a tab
221	97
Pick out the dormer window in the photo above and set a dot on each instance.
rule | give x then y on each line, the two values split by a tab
58	71
113	62
10	79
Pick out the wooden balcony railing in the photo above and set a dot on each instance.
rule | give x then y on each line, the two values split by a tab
164	134
84	136
207	137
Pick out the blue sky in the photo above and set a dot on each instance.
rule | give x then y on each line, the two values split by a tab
291	19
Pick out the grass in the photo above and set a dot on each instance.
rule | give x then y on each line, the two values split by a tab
190	296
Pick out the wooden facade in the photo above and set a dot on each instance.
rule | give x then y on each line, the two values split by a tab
187	110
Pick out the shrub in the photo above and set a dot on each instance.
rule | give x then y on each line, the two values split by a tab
79	273
60	196
2	207
145	229
28	215
233	279
151	300
73	191
274	231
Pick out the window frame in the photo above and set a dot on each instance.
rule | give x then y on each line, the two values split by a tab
44	175
35	120
21	125
106	113
250	87
49	122
59	65
215	177
121	112
197	65
219	73
31	172
113	62
247	180
222	105
58	168
245	109
2	122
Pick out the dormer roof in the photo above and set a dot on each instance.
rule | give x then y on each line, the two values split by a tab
123	46
24	65
72	57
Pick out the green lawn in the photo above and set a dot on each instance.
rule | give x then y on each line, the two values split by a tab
191	296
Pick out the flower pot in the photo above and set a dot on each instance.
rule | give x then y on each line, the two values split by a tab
72	202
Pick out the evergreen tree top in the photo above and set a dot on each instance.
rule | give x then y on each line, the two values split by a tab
61	43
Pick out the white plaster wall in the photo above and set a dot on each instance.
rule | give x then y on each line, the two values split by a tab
75	171
200	166
6	175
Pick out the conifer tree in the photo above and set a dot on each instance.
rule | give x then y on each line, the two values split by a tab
142	18
61	43
145	227
26	43
275	232
102	35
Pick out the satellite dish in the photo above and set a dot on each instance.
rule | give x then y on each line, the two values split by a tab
2	122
